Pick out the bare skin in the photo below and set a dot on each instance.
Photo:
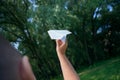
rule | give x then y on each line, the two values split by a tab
67	69
25	70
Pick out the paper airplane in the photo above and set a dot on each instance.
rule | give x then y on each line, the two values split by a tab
58	34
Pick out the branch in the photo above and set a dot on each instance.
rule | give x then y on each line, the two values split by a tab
12	33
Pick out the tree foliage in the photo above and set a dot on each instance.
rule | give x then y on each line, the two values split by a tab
94	25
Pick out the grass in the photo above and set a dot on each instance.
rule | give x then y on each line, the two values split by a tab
104	70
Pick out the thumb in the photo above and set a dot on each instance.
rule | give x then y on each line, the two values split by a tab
58	42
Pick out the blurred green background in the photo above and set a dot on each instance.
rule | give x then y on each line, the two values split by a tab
94	45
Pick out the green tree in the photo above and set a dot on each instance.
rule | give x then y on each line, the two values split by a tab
26	22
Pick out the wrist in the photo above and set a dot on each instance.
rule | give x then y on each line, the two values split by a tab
60	54
60	51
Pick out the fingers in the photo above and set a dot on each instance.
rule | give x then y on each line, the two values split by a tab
59	42
64	43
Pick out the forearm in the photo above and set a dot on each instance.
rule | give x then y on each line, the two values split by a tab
68	71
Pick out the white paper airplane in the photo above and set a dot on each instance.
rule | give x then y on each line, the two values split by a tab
58	34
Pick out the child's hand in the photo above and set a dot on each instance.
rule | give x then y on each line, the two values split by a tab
61	47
